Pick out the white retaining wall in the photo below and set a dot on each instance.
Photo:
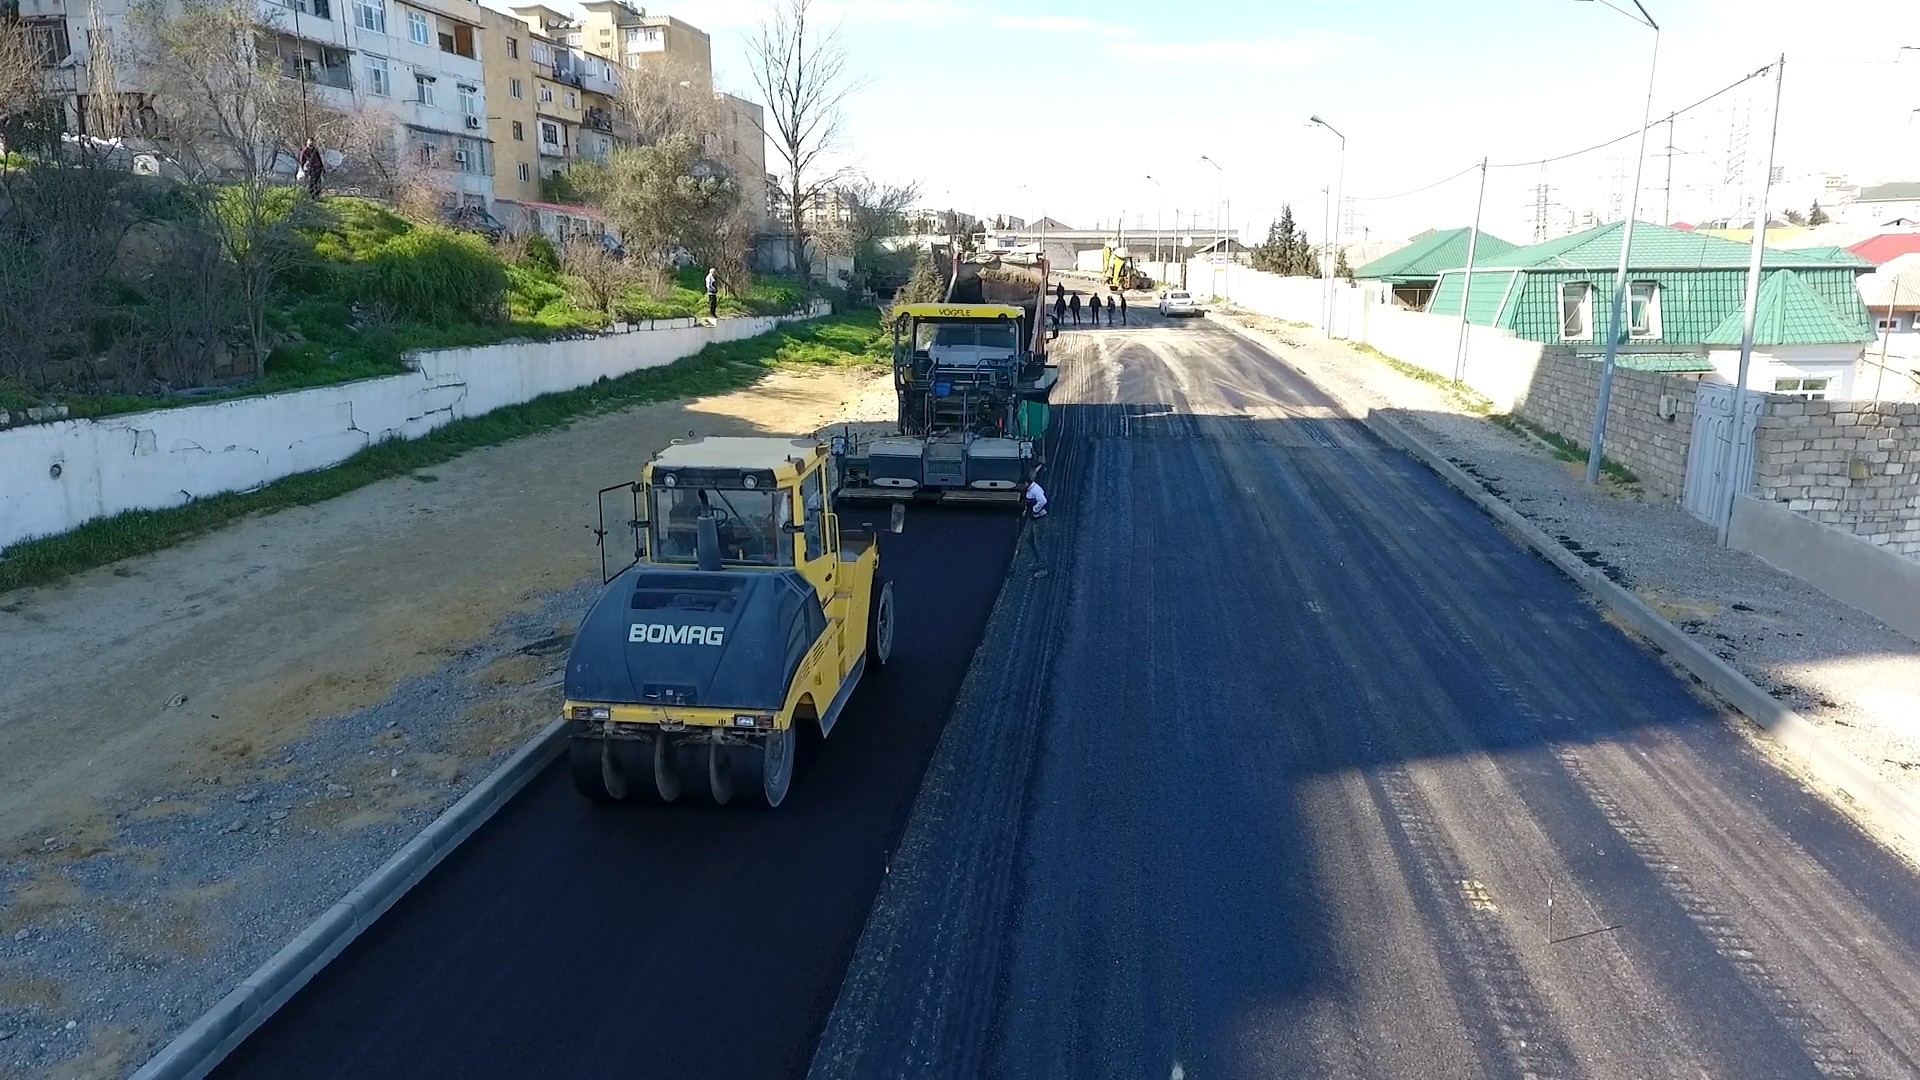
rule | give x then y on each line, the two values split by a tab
55	477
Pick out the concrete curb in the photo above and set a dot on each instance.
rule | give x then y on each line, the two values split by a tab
1894	810
196	1051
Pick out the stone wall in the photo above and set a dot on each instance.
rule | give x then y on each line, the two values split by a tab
1639	434
1850	465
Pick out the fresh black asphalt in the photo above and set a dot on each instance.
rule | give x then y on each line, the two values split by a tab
566	939
1327	777
1290	764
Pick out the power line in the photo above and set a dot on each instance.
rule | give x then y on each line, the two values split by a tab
1415	191
1744	79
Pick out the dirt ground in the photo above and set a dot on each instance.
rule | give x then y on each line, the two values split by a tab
202	660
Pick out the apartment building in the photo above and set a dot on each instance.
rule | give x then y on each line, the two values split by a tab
630	36
417	64
741	145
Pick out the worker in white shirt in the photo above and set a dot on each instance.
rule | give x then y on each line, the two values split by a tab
1034	508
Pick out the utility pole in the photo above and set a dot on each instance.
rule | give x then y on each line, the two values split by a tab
1466	282
1597	446
1736	481
1333	240
1886	336
1666	208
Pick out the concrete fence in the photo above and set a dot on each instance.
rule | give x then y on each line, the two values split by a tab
56	477
1850	465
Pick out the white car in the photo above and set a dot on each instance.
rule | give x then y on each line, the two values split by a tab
1176	302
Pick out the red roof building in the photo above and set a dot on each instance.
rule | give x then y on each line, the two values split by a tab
1887	247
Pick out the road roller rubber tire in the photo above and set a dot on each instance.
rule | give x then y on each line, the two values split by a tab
596	770
880	624
763	773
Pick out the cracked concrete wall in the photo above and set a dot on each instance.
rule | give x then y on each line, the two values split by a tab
56	477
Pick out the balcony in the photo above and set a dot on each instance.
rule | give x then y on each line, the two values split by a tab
599	119
552	149
306	61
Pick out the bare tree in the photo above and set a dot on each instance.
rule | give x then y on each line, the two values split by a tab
802	73
599	276
235	120
727	248
21	93
667	96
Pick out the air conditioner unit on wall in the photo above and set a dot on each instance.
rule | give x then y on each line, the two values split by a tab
473	122
459	157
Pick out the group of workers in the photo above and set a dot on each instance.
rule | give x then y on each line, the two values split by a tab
1067	306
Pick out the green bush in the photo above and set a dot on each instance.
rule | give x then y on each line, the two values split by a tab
435	275
541	255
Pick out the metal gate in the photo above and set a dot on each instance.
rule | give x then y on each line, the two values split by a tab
1710	484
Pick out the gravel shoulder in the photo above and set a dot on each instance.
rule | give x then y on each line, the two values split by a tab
1841	668
200	749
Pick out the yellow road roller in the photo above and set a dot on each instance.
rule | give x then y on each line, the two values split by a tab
744	619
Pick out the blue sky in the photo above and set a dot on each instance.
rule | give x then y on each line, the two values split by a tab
1063	110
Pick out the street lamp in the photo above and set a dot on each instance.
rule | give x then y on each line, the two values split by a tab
1332	234
1158	194
1219	196
1597	445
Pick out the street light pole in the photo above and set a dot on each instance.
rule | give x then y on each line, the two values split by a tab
1597	445
1333	233
1219	195
1158	194
1735	481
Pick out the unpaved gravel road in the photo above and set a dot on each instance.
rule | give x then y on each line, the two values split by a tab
186	735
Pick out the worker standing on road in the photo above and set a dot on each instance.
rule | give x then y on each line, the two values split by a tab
1033	506
1109	309
713	292
1059	309
1073	306
1123	307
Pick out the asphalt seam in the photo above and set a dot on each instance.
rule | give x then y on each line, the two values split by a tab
1800	737
206	1042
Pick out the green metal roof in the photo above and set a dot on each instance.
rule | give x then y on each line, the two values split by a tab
1425	258
1790	312
1656	247
1490	288
1664	363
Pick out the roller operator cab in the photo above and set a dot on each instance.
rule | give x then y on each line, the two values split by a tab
746	619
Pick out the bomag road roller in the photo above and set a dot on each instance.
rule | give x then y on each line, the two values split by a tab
743	622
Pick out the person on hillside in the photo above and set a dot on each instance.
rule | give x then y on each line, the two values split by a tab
1123	307
713	292
1073	308
312	167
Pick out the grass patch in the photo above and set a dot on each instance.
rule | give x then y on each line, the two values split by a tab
370	286
1469	398
850	339
1566	449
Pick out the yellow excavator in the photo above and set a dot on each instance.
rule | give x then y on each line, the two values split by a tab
1118	271
746	617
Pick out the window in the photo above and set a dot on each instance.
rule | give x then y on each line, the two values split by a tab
814	504
514	88
1810	389
542	54
379	78
526	174
47	41
519	135
1576	311
513	48
469	100
423	89
426	155
546	94
1886	324
371	15
419	31
750	524
1643	309
549	134
466	155
573	100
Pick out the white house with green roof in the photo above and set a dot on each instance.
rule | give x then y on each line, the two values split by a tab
1686	292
